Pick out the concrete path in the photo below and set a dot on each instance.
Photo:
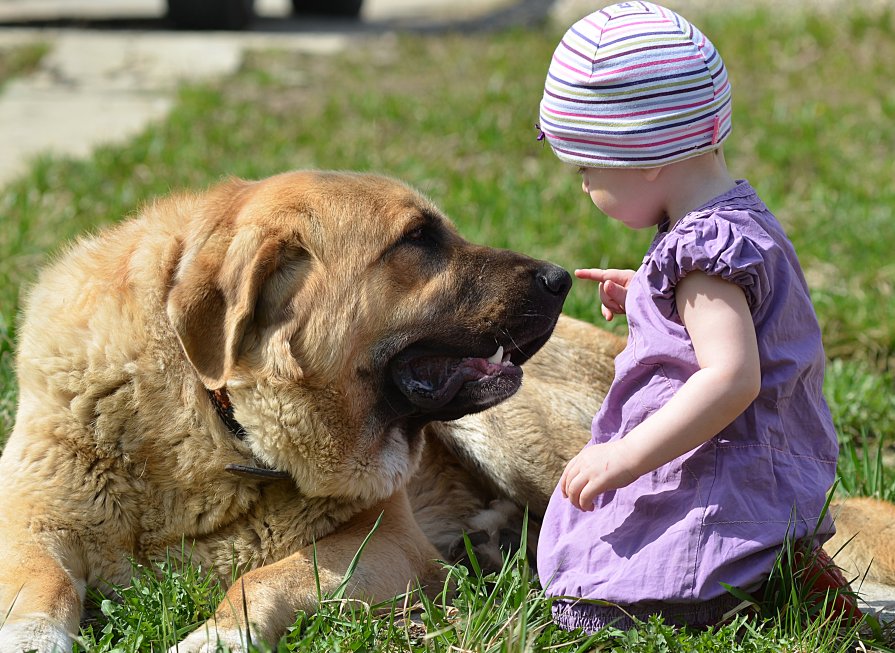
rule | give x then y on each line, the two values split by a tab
879	600
102	87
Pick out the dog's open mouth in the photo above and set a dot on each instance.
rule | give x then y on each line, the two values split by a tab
431	382
447	386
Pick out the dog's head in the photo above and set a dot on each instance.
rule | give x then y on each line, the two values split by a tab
344	312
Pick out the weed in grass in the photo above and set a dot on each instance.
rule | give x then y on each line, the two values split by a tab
20	60
155	611
861	399
861	470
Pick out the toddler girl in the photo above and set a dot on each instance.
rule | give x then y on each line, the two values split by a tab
714	444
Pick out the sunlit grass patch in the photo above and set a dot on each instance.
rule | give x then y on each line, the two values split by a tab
502	612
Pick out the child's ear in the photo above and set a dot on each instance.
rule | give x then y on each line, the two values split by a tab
651	174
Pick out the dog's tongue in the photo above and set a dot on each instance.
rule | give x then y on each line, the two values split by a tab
431	382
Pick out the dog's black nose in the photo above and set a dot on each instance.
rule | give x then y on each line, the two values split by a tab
554	279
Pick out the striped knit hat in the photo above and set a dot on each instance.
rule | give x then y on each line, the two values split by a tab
634	85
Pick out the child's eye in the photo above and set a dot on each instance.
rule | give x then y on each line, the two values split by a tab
581	170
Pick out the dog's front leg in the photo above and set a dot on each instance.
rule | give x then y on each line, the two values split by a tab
40	604
396	555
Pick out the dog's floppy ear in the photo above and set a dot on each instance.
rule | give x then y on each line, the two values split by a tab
217	291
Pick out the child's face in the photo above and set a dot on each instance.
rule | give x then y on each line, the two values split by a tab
625	194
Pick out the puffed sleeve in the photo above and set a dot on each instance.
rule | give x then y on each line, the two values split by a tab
715	246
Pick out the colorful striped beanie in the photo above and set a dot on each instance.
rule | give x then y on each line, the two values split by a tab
634	85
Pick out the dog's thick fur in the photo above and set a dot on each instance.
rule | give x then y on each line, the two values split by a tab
350	325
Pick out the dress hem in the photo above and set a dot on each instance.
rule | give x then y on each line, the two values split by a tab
590	617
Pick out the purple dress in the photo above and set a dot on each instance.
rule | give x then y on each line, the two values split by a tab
665	543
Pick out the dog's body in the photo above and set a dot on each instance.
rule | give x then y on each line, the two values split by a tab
351	327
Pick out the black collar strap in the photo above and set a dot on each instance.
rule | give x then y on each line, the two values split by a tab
222	406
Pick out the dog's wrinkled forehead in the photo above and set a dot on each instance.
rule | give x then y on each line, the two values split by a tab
323	205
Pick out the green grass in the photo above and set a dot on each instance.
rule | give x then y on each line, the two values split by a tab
503	612
154	609
454	115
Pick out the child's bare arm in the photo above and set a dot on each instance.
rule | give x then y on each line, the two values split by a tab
720	325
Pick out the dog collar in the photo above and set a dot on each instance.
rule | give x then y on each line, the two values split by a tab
222	406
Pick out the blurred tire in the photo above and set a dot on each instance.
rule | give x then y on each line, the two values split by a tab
339	8
211	14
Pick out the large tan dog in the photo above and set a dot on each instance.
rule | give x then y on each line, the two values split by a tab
273	364
250	370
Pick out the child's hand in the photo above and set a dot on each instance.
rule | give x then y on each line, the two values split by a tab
613	288
597	469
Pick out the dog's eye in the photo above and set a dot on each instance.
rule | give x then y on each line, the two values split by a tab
415	236
419	236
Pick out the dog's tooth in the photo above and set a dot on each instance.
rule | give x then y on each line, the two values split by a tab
497	358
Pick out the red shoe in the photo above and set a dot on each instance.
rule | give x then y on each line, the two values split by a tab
821	575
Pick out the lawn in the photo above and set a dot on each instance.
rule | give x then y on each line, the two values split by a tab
454	115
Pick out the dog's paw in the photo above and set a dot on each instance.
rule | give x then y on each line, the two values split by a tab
208	639
493	533
33	635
